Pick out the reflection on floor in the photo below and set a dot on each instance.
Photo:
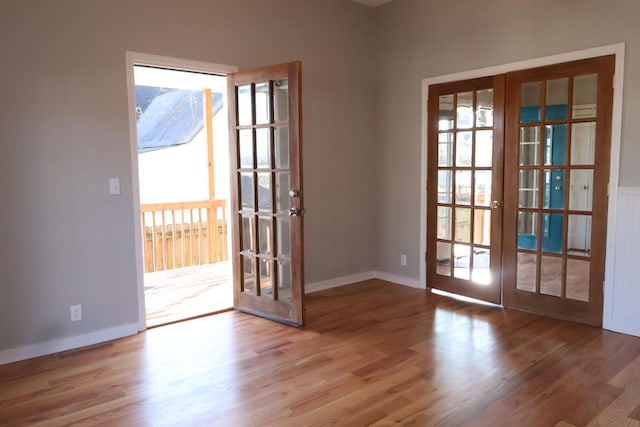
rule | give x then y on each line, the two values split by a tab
184	293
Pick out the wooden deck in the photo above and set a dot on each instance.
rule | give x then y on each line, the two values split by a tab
372	353
188	292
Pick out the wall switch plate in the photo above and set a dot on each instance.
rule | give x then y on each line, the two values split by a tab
403	260
76	312
114	186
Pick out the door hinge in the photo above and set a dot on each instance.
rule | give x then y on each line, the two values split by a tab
608	187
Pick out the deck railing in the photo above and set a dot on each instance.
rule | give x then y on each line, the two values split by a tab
183	234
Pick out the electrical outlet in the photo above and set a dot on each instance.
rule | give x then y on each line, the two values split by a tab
403	260
76	312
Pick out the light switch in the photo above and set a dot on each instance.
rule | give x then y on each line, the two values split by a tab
114	186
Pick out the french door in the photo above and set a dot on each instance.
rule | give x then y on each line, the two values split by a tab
265	136
464	188
546	237
558	133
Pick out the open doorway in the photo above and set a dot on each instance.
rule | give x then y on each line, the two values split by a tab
183	177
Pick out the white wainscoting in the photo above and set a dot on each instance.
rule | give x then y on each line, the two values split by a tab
622	295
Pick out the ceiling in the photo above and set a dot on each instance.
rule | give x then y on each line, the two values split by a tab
372	3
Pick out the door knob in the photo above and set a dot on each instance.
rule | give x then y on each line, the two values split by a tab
296	212
495	204
294	193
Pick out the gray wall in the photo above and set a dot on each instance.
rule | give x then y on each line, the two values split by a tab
416	39
64	132
64	126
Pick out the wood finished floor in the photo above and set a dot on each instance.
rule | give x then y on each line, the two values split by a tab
372	353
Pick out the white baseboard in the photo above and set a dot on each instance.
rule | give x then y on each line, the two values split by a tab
359	277
339	281
63	344
400	280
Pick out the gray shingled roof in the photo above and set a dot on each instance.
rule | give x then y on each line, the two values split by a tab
170	117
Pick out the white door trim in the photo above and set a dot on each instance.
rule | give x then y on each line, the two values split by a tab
136	58
616	132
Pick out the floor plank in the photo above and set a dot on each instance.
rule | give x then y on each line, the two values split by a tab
372	353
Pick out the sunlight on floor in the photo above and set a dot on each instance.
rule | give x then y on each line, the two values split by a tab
183	293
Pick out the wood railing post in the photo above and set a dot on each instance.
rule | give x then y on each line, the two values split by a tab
153	241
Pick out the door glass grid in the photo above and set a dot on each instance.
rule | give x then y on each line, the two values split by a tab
465	149
555	186
263	184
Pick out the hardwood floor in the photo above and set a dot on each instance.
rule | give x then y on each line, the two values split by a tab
372	353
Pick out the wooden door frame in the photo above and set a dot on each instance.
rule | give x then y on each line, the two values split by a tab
614	168
132	59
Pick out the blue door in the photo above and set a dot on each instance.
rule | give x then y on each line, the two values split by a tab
554	182
554	153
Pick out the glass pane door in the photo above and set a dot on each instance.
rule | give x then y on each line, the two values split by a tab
558	154
266	147
464	196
